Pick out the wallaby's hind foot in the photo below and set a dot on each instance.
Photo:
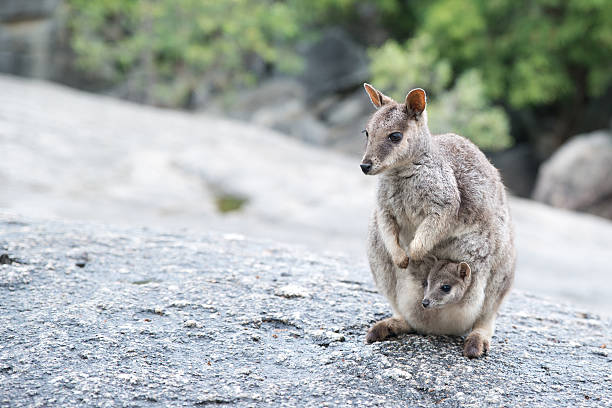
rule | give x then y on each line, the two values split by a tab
478	341
475	345
386	328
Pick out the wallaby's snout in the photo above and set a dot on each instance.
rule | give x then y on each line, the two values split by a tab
366	166
425	303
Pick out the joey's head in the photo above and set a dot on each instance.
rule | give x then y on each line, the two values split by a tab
446	284
396	133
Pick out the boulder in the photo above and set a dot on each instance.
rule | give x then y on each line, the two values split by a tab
27	31
272	93
346	119
292	119
518	167
98	315
579	175
23	10
91	157
279	104
354	107
334	63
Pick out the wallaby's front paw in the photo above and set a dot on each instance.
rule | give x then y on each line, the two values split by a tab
402	260
417	252
475	345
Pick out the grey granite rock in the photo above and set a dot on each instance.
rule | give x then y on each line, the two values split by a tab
95	315
27	10
28	29
335	63
73	155
579	175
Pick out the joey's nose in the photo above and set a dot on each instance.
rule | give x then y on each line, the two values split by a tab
365	167
425	302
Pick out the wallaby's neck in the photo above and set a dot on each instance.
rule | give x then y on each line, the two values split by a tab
423	148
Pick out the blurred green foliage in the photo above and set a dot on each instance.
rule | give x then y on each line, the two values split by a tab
471	56
398	68
529	53
162	49
524	55
464	108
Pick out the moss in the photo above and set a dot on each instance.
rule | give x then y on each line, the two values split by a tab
228	203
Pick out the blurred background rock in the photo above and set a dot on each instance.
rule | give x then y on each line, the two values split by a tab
530	83
518	79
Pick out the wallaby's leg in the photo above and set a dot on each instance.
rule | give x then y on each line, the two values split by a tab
386	328
389	233
429	232
479	340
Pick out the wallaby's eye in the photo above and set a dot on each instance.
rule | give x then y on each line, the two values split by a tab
395	137
366	132
445	288
424	283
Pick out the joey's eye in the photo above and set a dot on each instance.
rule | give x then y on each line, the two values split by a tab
424	284
445	288
365	132
395	137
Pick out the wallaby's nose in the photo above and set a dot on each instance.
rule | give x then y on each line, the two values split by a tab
365	167
425	302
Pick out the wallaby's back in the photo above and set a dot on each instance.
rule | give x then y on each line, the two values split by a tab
481	191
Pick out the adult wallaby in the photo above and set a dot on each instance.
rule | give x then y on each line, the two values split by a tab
437	195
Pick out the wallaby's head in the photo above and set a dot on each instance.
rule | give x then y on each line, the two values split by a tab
446	284
396	133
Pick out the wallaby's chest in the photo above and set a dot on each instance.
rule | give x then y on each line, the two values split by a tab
406	199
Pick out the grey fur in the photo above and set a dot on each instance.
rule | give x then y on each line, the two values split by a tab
437	195
457	275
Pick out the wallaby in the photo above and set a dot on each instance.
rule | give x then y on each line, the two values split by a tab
444	283
437	195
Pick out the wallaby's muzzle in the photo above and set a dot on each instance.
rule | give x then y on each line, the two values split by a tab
365	167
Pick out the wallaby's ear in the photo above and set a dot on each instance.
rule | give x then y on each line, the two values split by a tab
464	270
416	101
431	259
378	98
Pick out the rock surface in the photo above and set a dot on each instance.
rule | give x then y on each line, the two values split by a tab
579	175
95	315
334	63
518	168
334	121
74	155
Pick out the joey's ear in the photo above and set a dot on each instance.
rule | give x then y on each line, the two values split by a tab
378	98
416	101
464	270
431	259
